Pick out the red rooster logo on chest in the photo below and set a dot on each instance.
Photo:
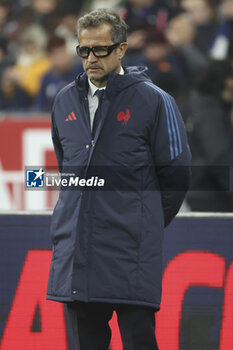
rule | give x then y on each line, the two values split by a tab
122	116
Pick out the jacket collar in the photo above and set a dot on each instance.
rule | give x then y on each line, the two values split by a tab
116	82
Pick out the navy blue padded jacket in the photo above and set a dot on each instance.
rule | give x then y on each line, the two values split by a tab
107	243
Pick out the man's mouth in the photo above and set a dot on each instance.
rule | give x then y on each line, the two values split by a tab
93	68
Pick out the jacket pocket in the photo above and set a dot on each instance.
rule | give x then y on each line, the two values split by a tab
118	215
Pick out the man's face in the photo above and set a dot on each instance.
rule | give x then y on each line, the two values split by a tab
98	68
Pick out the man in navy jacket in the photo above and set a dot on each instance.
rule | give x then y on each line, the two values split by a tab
107	242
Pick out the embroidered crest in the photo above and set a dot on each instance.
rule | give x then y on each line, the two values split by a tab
122	116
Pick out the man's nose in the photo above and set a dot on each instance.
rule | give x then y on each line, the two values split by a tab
91	58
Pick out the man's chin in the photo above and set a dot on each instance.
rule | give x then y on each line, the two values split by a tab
97	78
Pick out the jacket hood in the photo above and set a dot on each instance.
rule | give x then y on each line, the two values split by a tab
116	82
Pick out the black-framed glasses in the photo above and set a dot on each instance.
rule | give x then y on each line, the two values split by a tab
98	51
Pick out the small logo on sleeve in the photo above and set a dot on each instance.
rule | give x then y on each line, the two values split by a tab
35	178
70	117
124	117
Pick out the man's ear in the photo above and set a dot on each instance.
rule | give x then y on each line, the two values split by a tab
122	49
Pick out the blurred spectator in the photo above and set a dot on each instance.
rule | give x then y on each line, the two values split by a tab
166	67
44	13
25	75
32	61
67	30
12	97
180	33
211	139
205	17
64	69
9	27
146	15
143	17
5	11
223	45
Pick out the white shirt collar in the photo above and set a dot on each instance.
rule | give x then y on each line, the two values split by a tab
93	88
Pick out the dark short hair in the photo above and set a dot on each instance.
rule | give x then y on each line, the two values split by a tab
101	16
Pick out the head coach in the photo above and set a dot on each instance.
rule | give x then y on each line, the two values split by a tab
107	244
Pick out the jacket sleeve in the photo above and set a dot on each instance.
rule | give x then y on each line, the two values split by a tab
56	143
171	155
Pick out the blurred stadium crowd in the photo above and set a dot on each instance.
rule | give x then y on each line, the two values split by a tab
187	46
